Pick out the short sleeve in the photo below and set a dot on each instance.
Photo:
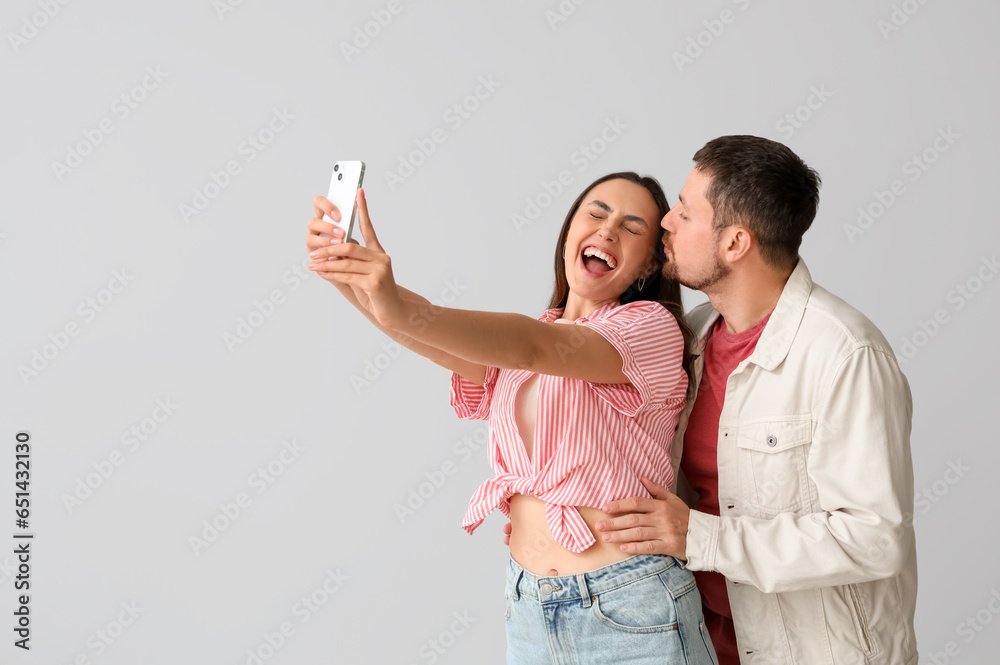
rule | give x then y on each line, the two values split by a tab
651	345
471	401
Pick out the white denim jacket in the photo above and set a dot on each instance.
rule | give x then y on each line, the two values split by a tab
815	488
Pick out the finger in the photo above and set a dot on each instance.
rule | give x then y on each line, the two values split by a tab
352	250
635	535
365	222
349	279
658	491
351	266
644	547
346	257
322	205
632	504
326	249
629	521
335	247
330	276
318	230
507	528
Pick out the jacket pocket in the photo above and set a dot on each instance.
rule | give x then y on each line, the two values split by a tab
860	615
772	463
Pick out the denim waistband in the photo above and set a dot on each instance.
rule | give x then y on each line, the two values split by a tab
583	585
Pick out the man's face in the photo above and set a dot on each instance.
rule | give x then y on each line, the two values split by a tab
692	245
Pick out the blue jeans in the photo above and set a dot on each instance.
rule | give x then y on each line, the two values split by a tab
643	610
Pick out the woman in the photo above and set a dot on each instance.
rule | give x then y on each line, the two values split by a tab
579	412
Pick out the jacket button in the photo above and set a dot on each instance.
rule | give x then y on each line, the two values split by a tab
772	440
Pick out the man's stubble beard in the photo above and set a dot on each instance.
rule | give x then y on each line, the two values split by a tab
718	272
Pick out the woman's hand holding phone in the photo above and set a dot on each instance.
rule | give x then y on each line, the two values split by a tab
366	270
321	235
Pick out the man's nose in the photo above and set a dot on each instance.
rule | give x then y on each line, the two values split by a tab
668	220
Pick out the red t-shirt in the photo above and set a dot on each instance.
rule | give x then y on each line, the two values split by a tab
723	352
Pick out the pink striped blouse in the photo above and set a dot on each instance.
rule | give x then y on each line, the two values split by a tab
592	441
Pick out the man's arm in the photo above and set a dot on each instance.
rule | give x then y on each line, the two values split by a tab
860	463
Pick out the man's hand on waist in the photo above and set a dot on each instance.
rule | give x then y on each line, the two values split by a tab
655	526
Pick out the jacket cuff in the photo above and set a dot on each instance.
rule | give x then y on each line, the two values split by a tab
702	540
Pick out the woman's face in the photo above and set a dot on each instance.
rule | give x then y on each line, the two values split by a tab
611	242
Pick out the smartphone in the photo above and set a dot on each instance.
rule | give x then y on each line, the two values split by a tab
344	185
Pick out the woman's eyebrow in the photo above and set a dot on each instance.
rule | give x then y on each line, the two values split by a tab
606	208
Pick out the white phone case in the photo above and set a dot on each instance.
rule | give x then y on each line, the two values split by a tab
347	178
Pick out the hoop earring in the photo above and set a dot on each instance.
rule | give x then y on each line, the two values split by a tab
642	282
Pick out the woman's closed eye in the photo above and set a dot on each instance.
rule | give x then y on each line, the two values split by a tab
632	227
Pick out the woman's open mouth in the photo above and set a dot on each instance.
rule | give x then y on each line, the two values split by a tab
597	262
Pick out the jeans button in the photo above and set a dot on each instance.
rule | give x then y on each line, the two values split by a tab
546	588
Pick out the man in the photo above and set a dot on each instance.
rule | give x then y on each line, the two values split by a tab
797	443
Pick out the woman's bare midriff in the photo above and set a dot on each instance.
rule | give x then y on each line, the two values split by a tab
532	544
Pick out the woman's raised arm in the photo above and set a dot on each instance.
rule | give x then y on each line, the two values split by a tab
511	341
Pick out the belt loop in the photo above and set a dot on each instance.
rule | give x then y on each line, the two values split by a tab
581	581
517	581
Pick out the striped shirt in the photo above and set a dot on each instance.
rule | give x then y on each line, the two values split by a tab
592	441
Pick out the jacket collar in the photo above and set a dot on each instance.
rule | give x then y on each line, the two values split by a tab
777	336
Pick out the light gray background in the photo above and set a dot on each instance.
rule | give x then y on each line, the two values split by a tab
364	448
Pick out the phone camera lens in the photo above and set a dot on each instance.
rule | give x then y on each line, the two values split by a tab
336	167
340	176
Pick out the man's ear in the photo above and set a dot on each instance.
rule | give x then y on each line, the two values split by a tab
738	242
